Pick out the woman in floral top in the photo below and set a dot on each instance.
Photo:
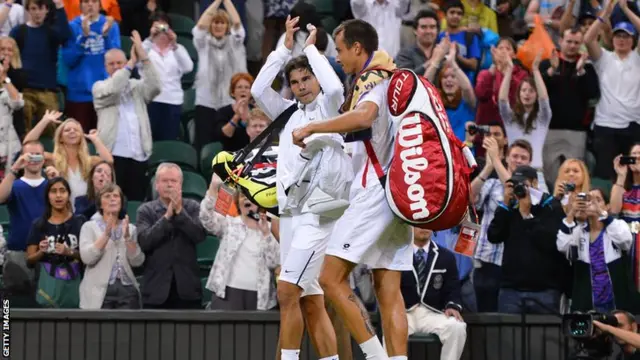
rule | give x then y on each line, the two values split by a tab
241	274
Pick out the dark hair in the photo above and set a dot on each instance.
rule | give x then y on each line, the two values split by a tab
453	4
159	15
523	144
91	191
109	188
358	31
527	124
509	40
38	3
322	40
297	63
602	193
48	210
574	30
308	15
426	14
630	317
628	182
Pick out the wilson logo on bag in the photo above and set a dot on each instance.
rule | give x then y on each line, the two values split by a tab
427	184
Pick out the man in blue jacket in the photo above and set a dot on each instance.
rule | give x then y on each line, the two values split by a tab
83	55
431	293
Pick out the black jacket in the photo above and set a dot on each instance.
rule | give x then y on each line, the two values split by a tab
170	250
531	260
442	290
570	95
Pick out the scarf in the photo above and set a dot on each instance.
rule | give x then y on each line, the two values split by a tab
221	68
378	68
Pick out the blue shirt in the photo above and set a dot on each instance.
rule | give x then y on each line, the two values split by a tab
83	57
459	116
471	50
25	204
40	51
447	239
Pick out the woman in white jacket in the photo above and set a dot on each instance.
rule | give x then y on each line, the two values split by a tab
597	246
109	249
241	274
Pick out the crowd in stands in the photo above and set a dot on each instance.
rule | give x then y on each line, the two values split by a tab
112	114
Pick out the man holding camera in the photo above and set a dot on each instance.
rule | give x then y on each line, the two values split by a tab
534	273
626	334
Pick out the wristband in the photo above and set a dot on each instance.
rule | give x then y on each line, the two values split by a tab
616	184
233	124
600	19
483	179
8	5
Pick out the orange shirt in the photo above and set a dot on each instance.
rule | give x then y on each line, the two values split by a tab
111	8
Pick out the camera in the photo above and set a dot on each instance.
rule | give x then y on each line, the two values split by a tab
627	160
569	187
35	158
519	190
479	129
582	197
590	343
163	28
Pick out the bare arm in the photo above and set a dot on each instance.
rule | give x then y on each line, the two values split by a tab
567	20
4	12
360	118
478	182
541	88
468	94
503	94
205	20
233	14
591	37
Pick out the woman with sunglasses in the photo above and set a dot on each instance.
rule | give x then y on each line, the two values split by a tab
52	244
241	274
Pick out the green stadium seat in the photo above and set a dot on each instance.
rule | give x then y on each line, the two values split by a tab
206	156
206	293
188	105
92	148
132	210
181	25
60	97
178	152
4	216
603	184
207	251
194	186
125	44
47	143
424	338
189	78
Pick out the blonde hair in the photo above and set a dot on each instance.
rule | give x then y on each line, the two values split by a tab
221	15
586	179
256	114
16	62
60	156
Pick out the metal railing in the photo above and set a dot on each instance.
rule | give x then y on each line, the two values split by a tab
209	335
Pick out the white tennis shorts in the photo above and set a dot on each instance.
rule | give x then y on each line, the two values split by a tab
369	233
303	242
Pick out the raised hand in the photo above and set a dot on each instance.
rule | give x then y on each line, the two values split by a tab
290	26
107	26
554	59
214	186
92	135
86	26
311	39
52	116
125	227
51	172
582	62
621	170
263	225
451	56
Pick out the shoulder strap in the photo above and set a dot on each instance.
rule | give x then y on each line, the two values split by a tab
375	163
264	140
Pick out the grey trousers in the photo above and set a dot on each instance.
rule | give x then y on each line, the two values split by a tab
235	299
120	296
560	145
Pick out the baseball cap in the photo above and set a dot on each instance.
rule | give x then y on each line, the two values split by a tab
586	15
626	27
523	173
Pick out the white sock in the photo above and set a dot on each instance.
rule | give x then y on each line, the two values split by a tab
400	357
333	357
290	354
372	349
